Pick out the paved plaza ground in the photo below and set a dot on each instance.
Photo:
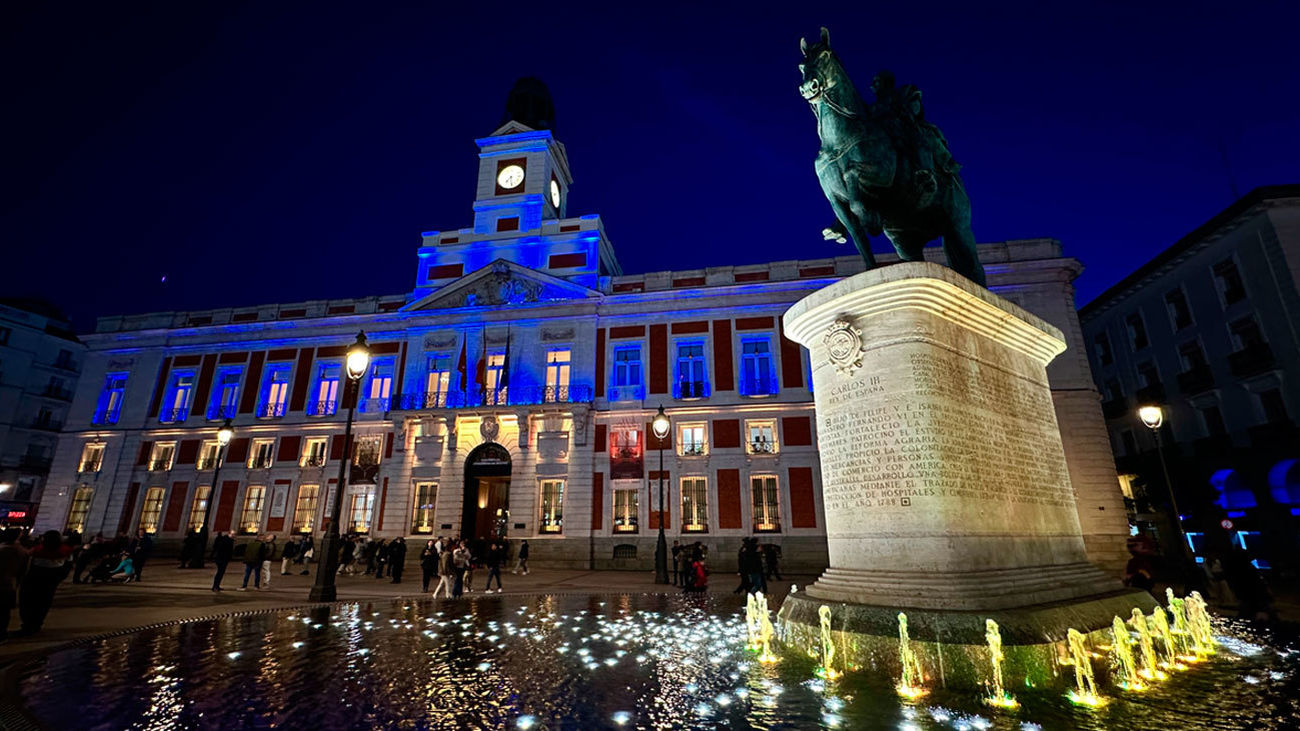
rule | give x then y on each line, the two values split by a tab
168	594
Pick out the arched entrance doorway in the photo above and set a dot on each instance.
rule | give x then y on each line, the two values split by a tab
487	490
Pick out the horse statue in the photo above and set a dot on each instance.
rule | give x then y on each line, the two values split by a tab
883	168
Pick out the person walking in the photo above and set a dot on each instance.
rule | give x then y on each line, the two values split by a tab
493	560
397	558
47	565
460	564
751	565
268	555
306	550
13	566
684	566
446	572
522	563
288	555
141	549
223	549
428	564
254	553
772	556
699	577
348	555
676	560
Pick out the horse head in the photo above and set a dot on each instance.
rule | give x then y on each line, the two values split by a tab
820	69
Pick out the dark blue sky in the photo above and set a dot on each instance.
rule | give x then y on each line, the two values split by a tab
272	152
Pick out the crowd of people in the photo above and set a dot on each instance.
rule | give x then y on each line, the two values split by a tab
755	564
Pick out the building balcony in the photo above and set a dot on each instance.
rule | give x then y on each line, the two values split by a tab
1197	380
58	394
322	408
759	386
222	411
1116	408
689	390
160	465
88	468
65	364
173	416
515	396
271	411
47	425
694	449
1152	394
1251	360
260	462
104	416
627	393
313	460
762	446
375	405
207	463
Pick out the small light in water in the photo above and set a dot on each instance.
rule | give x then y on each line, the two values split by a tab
910	692
525	722
297	645
723	700
1085	699
621	718
232	655
1030	726
1251	679
832	720
484	666
1276	675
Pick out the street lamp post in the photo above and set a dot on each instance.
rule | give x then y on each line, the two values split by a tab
324	589
223	439
660	426
1153	417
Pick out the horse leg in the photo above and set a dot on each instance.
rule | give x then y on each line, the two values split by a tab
910	246
959	246
854	227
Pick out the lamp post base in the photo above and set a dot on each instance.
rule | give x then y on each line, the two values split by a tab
661	559
200	550
324	589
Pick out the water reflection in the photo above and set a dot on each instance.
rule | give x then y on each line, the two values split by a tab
561	662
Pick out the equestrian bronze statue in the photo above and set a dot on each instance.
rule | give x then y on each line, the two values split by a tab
883	167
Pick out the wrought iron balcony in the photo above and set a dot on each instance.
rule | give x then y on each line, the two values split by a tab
762	446
322	408
58	394
759	386
690	390
1196	380
375	405
104	416
260	462
159	465
207	463
173	416
271	410
627	393
1251	360
89	466
515	396
313	460
222	411
694	449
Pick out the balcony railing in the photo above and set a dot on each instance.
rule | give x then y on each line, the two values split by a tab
47	424
260	462
104	416
207	463
58	394
694	449
313	460
322	408
515	396
158	465
627	393
375	405
222	411
87	467
173	416
65	364
759	386
271	411
1196	380
1251	360
762	446
690	390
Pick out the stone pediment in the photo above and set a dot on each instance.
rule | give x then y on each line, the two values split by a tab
502	283
512	127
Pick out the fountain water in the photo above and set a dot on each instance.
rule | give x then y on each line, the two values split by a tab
1122	652
827	669
751	621
911	684
765	631
1182	637
1085	687
1160	623
1150	669
998	696
1198	623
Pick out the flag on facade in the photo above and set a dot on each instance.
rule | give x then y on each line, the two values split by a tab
480	371
505	366
462	367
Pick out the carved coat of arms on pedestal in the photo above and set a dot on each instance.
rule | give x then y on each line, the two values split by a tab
843	344
489	428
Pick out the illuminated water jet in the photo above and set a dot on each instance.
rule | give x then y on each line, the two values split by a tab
999	696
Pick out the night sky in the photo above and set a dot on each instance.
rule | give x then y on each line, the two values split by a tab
277	152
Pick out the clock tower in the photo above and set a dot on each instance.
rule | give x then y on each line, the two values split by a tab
521	206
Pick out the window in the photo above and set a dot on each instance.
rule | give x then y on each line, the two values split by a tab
79	510
1148	376
313	451
493	383
1101	346
45	419
250	520
304	510
109	407
327	390
557	376
162	455
1180	314
1192	356
766	504
176	405
1137	331
626	384
552	519
626	509
691	382
361	507
757	376
199	508
262	454
760	437
1228	280
151	509
1112	390
92	457
437	380
365	450
64	360
225	394
1213	420
275	390
690	440
426	494
379	390
208	453
1245	333
1273	405
695	505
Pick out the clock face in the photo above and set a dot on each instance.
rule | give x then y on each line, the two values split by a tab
555	193
510	177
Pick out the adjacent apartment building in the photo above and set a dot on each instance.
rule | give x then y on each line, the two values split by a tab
1210	330
511	391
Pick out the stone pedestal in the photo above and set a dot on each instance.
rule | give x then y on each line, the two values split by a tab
943	476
